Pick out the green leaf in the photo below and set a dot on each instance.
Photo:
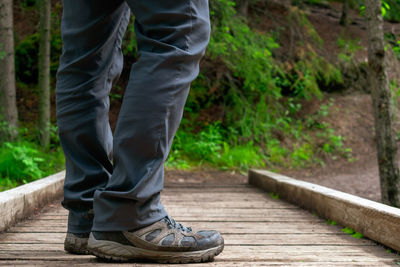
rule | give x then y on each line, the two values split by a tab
357	235
331	222
348	230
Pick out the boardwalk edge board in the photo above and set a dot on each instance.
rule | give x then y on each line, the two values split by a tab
21	202
374	220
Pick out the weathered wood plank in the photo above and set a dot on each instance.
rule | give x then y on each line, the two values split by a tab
56	248
188	220
210	210
228	205
236	227
91	261
243	253
202	190
230	239
177	214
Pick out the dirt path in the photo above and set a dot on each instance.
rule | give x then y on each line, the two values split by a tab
352	118
360	178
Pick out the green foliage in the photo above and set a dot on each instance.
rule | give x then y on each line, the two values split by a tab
26	59
208	147
301	155
331	222
390	10
306	73
353	233
129	45
20	160
6	131
274	195
396	49
393	42
240	157
245	53
26	56
349	48
23	160
357	235
348	230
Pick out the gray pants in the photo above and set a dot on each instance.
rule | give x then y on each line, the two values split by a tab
172	36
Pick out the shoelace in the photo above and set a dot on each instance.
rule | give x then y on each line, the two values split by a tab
176	225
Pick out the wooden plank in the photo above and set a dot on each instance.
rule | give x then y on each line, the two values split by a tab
216	213
244	253
229	205
238	252
338	239
209	189
187	220
226	227
199	210
230	239
247	197
374	220
193	186
267	216
217	262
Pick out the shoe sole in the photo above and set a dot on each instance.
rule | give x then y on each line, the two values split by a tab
113	251
76	245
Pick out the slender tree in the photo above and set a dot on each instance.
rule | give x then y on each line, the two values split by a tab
384	131
44	72
345	11
8	103
243	7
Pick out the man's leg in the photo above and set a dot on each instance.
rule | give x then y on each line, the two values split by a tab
130	222
92	32
172	36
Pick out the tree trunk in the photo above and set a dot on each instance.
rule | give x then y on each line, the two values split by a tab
8	103
385	137
44	73
243	7
345	11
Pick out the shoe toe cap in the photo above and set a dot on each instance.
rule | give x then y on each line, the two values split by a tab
210	239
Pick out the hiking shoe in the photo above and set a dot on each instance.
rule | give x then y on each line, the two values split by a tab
76	243
165	241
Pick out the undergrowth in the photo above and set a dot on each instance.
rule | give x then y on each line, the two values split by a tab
23	160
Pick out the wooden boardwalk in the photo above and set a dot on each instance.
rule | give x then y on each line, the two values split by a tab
258	231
